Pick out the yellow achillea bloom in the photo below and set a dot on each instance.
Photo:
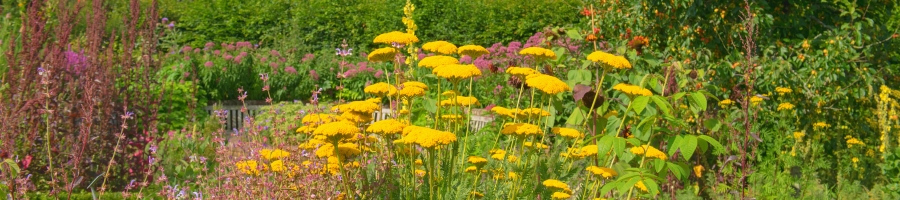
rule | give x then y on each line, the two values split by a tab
538	53
477	195
418	162
547	84
460	101
532	113
698	171
477	161
272	154
395	37
640	185
441	47
755	100
503	111
785	106
456	72
410	92
383	54
452	118
611	61
380	89
535	145
472	51
521	129
277	166
853	141
414	84
450	93
337	130
426	137
432	62
799	135
318	118
650	151
568	132
725	103
367	106
821	125
498	154
387	127
521	72
602	171
583	152
471	169
420	173
557	185
560	195
783	90
250	167
356	117
632	90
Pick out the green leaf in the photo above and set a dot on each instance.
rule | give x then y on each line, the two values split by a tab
679	172
662	104
688	146
619	144
675	144
640	103
652	186
677	96
699	102
718	146
577	117
712	124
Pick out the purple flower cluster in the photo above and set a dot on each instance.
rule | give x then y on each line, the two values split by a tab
75	62
361	67
308	57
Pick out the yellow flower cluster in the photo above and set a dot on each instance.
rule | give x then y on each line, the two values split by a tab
632	90
381	89
456	72
410	92
477	161
250	167
395	37
785	106
441	47
521	129
698	171
498	154
335	131
610	61
472	51
383	54
568	133
821	125
387	127
313	120
783	90
560	195
650	151
459	101
602	171
521	72
579	153
725	103
426	137
432	62
640	185
547	84
557	186
358	111
523	114
273	154
853	141
538	53
414	84
535	145
755	100
799	136
407	18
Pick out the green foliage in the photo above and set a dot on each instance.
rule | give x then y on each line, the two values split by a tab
181	105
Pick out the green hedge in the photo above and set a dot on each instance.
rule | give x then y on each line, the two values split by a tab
323	24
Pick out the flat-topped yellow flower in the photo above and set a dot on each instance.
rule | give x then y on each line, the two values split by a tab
277	166
450	93
383	54
432	62
414	84
583	152
785	106
602	171
783	90
521	72
337	130
650	151
568	132
410	92
477	161
460	101
318	118
640	185
387	127
609	61
521	129
503	111
755	100
250	167
547	84
556	185
538	53
381	89
365	106
560	195
535	145
356	117
725	103
273	154
632	90
426	137
441	47
532	113
473	51
456	72
395	37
